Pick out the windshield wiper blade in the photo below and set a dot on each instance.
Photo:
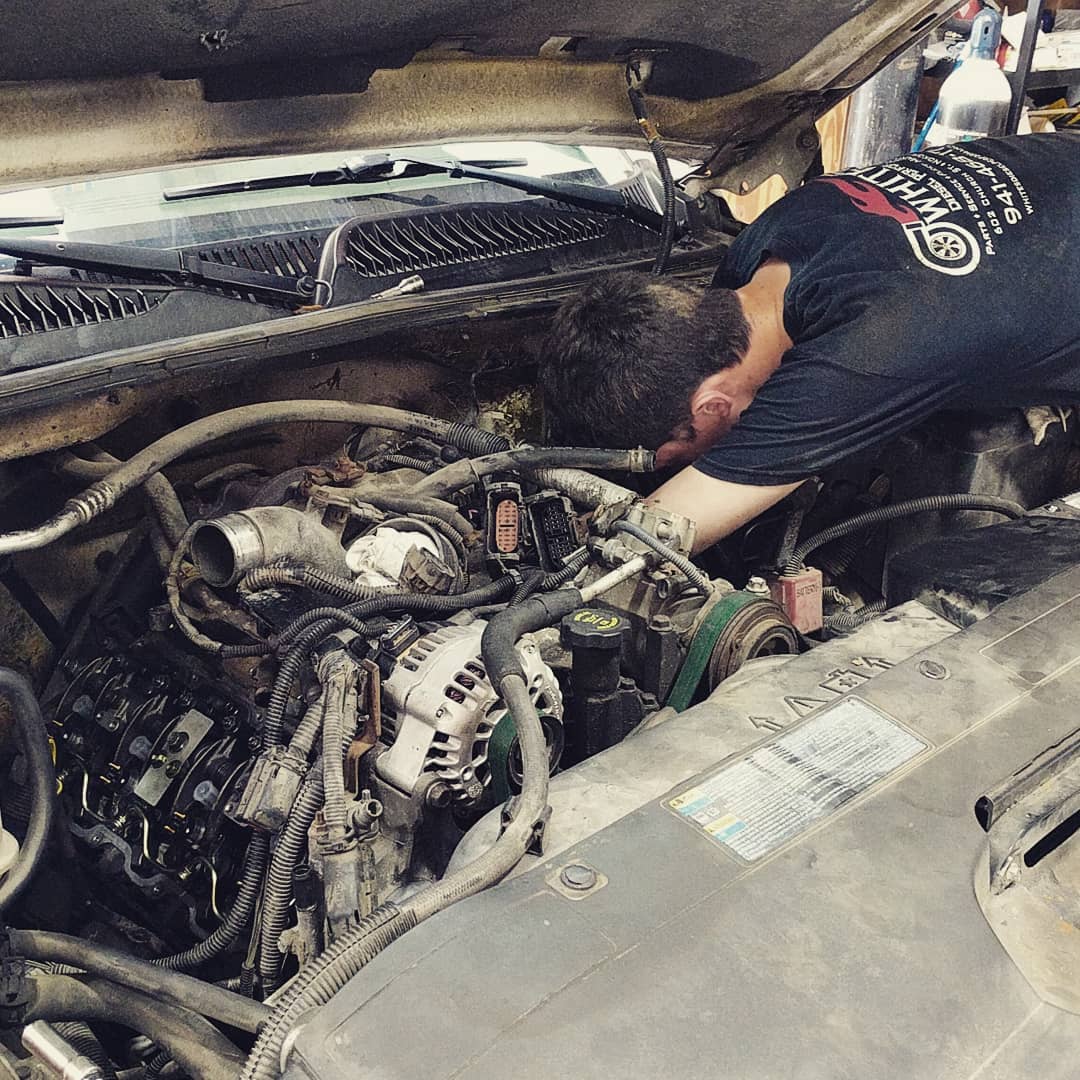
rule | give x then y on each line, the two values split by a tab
31	222
175	266
372	169
380	168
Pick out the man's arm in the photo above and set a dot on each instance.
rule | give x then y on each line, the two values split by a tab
718	506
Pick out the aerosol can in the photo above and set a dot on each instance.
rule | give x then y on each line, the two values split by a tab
974	100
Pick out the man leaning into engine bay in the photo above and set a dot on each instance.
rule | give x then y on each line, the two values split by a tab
853	308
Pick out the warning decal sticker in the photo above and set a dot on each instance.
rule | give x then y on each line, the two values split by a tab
754	805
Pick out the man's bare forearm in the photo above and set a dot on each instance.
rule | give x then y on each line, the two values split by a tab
718	506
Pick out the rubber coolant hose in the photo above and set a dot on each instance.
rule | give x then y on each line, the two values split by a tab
882	514
584	488
103	494
320	980
154	983
469	471
16	690
159	491
193	1043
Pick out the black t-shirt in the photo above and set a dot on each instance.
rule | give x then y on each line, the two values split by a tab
943	279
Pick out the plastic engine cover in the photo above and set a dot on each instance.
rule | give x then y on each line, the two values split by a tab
797	903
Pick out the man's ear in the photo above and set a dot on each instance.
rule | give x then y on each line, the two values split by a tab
710	400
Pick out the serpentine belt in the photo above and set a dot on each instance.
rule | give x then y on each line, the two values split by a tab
701	648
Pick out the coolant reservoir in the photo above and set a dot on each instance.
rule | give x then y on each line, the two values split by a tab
9	850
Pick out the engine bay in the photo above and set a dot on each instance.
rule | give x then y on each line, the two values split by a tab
305	708
343	603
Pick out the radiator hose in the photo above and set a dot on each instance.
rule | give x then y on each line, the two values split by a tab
155	984
192	1042
882	514
320	980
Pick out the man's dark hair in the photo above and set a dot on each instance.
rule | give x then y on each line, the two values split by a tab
624	356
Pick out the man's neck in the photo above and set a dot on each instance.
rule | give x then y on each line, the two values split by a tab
762	300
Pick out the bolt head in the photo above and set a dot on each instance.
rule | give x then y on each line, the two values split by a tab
758	585
931	669
439	795
578	877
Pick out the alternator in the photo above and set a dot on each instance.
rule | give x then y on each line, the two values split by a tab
440	709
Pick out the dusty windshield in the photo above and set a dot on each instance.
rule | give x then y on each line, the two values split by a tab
131	209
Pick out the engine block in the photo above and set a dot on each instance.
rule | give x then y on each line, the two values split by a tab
149	756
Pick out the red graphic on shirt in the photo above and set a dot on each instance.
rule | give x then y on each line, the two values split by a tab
872	200
940	245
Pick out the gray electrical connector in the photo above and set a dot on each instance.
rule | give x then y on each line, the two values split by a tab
271	789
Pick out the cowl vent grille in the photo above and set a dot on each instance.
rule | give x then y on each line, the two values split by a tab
37	309
406	245
285	256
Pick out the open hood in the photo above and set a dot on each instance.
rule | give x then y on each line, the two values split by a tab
121	85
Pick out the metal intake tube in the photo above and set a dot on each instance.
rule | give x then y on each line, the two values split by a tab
224	549
56	1054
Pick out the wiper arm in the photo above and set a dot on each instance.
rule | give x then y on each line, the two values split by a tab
373	169
381	168
586	196
42	221
178	266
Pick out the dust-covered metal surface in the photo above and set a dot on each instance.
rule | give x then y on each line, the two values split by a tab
365	75
854	947
765	696
1031	820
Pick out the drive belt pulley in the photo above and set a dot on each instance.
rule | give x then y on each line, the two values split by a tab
738	627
